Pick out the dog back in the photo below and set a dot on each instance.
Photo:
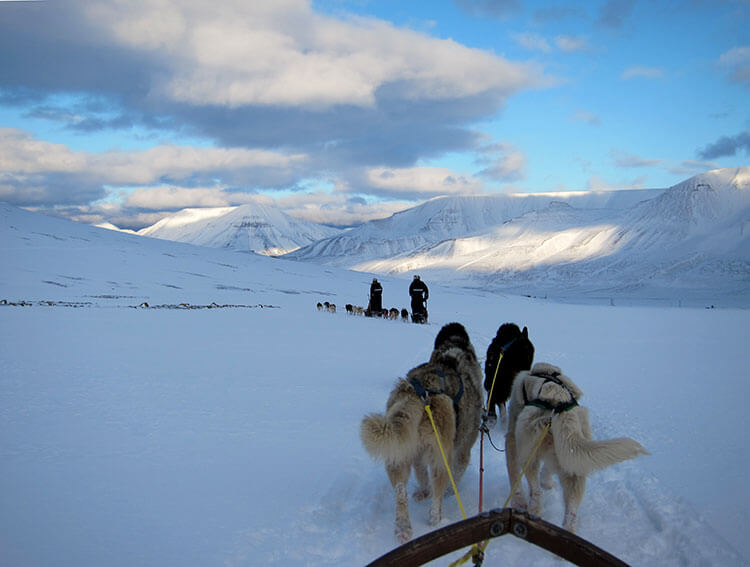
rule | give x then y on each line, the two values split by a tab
575	450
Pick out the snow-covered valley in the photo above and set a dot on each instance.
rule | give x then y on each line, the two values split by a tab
227	433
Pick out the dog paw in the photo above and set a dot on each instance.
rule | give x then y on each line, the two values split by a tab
518	502
421	494
435	518
570	522
403	532
436	512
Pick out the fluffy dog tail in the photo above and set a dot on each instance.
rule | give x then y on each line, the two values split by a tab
579	454
393	437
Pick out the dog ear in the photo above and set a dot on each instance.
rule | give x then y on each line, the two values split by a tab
525	332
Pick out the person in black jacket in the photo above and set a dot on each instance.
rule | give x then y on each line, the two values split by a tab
419	294
375	308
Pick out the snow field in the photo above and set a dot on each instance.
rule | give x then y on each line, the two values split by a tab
231	437
134	436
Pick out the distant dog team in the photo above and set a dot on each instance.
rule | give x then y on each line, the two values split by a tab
543	411
418	292
393	313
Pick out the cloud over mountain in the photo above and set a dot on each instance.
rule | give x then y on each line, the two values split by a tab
285	92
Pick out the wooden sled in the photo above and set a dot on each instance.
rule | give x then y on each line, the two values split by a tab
496	523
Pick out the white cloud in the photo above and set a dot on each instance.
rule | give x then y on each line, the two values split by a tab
283	53
343	95
586	116
424	181
338	209
504	161
641	72
536	42
170	197
21	153
569	43
21	156
532	41
596	183
691	167
737	62
626	160
180	162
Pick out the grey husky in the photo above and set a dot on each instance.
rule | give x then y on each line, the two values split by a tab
403	437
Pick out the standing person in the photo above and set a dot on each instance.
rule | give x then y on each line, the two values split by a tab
419	294
376	298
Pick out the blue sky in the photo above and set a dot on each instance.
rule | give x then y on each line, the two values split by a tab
342	111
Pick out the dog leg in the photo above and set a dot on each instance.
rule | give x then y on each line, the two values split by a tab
547	477
535	491
439	485
503	415
574	487
517	501
399	476
461	464
423	478
402	528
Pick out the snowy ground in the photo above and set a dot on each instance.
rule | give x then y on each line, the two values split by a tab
229	436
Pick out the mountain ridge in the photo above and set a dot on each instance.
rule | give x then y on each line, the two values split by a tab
444	218
691	237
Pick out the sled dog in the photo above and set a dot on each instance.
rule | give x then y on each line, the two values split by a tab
542	395
451	383
509	352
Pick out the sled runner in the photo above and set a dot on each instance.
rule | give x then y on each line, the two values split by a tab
496	523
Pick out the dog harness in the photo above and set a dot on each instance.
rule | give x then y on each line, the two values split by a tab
507	345
544	404
424	393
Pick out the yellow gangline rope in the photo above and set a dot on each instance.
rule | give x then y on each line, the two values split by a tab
445	460
480	547
447	467
492	387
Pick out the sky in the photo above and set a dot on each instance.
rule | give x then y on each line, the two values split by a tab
344	111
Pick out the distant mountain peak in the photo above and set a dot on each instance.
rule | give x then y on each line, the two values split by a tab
255	227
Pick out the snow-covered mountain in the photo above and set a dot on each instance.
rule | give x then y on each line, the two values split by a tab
253	227
691	240
446	219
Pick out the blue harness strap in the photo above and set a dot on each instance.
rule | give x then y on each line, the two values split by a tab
507	345
424	393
